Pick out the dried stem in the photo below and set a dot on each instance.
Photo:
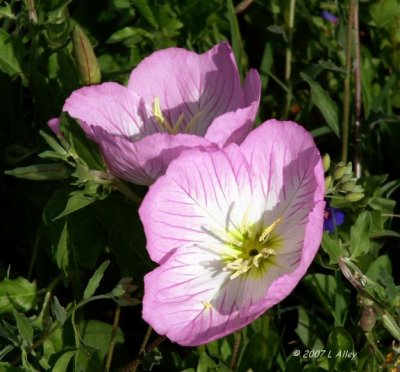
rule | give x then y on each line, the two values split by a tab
346	99
132	366
288	57
236	349
357	128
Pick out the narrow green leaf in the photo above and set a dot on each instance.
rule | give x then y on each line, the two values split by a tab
18	294
237	43
393	79
325	104
145	10
62	254
63	361
25	328
95	280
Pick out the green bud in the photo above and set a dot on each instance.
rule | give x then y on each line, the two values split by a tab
85	57
347	186
391	325
328	183
339	171
354	196
368	319
349	168
41	172
358	188
326	161
348	177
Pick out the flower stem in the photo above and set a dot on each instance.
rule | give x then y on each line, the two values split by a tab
357	127
346	98
124	189
372	342
236	349
112	340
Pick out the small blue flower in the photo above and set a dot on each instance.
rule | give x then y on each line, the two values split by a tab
333	217
330	17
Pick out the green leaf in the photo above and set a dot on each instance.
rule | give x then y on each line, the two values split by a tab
237	43
324	103
206	364
308	329
81	146
383	12
77	200
360	243
63	361
340	344
7	367
10	54
24	327
96	336
94	281
62	252
58	311
18	294
333	247
145	10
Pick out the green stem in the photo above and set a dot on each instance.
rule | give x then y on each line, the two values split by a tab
124	189
346	98
112	340
372	342
145	339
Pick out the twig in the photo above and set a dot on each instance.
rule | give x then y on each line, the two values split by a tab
145	340
346	98
357	127
112	339
132	366
236	349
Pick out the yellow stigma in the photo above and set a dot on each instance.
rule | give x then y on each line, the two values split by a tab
176	128
252	252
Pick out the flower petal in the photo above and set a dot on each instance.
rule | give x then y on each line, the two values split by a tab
201	197
188	83
112	107
144	160
191	300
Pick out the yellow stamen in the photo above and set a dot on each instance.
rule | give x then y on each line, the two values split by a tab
192	122
265	235
159	115
206	305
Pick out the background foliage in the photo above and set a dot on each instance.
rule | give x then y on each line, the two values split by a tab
73	250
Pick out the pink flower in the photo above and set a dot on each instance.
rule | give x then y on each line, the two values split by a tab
234	230
175	100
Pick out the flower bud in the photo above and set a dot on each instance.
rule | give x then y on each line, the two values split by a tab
328	183
41	172
326	161
85	57
368	319
391	325
339	171
347	186
354	196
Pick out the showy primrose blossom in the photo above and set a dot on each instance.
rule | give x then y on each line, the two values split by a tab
175	100
234	230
